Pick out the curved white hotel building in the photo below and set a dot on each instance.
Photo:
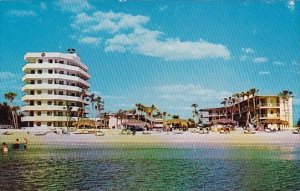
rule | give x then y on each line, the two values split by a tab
53	81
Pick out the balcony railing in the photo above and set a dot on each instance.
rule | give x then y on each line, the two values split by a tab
268	105
270	116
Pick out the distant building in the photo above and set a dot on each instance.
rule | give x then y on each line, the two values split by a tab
271	110
53	81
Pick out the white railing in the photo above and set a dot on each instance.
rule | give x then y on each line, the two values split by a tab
55	66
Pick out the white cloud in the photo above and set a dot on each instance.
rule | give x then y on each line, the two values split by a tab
89	40
109	21
128	33
278	63
148	43
43	6
74	6
261	60
291	5
191	92
248	50
264	73
22	13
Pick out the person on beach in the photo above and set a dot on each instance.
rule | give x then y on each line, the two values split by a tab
16	145
25	144
4	147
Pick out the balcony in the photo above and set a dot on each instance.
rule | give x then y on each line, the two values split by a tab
269	105
47	118
46	108
270	116
73	58
51	87
55	66
51	97
214	115
55	76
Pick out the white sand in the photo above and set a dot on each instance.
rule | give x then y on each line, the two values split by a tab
113	137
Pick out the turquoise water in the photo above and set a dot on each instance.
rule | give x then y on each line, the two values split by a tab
151	168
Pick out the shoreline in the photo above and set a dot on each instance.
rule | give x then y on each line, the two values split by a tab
112	138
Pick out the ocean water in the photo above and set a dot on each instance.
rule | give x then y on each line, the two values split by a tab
151	168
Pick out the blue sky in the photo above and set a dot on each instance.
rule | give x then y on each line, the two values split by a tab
167	53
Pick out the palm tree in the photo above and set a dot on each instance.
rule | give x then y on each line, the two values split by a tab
139	107
175	116
99	105
285	96
253	91
105	117
195	112
69	109
247	94
225	105
237	97
11	96
164	114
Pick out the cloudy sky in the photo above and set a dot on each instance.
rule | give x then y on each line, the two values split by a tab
167	53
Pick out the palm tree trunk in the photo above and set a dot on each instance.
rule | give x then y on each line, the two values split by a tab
13	116
16	120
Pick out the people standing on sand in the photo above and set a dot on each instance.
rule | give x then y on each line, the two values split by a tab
16	144
4	147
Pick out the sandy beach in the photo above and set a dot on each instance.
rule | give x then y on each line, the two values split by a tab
187	139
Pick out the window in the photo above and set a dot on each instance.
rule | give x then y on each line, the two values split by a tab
56	61
61	82
39	81
31	102
61	72
60	103
32	82
39	103
38	124
50	81
60	113
59	124
32	72
40	71
72	94
61	93
73	74
50	71
272	112
49	113
50	91
49	102
39	92
40	61
50	61
61	62
72	104
31	92
73	84
39	113
49	124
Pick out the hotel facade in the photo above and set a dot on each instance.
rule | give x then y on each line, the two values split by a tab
271	110
53	86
